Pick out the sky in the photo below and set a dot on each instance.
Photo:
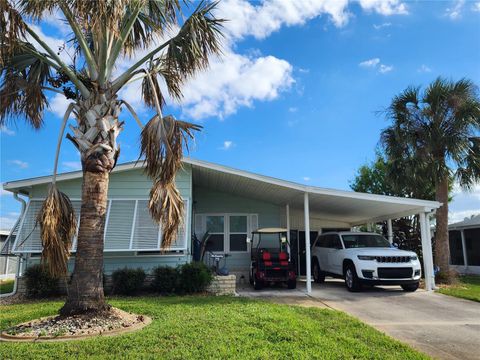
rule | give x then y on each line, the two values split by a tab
298	93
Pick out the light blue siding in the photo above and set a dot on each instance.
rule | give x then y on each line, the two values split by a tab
211	201
128	184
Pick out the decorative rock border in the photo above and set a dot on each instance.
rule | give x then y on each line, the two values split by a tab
14	338
223	285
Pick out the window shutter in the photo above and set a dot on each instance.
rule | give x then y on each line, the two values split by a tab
181	241
199	225
253	223
28	240
145	235
119	226
77	207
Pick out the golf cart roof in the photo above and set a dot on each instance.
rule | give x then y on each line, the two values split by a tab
270	230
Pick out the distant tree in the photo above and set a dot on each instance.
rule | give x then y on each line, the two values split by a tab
435	133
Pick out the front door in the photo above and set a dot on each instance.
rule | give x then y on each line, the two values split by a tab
302	252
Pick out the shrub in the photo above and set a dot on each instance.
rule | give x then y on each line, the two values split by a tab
194	277
127	281
165	279
39	282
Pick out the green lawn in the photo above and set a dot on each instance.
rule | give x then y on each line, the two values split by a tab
215	328
467	288
6	286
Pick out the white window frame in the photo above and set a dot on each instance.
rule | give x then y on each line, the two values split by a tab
226	230
109	203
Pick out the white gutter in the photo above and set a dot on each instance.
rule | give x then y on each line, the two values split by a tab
20	258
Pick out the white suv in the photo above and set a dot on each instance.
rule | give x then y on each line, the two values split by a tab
364	259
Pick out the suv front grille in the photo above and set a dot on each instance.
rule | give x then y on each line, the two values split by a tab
395	273
392	259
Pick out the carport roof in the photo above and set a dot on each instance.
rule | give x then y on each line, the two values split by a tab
339	205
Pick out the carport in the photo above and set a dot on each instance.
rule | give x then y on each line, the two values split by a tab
307	206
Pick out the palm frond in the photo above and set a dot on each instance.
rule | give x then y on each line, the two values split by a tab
57	228
162	142
166	208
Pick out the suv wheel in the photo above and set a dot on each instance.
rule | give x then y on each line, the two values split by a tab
410	287
318	274
352	281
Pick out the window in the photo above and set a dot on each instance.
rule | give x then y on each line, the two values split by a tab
216	229
334	242
365	241
238	233
321	242
228	232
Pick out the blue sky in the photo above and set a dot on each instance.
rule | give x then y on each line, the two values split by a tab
297	93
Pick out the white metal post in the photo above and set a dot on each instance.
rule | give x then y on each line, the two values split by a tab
287	212
390	231
464	248
308	269
287	215
427	253
429	243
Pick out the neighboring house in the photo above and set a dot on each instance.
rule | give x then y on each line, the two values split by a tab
465	245
8	263
226	202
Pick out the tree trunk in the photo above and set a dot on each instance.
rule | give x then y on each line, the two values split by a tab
85	290
442	247
96	139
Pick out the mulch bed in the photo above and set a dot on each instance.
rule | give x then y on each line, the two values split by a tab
51	328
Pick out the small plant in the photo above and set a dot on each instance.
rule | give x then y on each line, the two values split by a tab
194	277
165	279
39	282
127	281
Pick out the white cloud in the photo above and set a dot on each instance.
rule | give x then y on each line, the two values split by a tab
58	105
292	109
7	221
234	82
6	131
424	69
464	203
375	63
59	45
306	178
385	7
476	6
72	165
4	192
381	26
385	68
269	16
19	163
370	63
455	12
227	144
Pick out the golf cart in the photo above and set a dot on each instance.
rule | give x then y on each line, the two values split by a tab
270	259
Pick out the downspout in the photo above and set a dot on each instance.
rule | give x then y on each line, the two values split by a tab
20	258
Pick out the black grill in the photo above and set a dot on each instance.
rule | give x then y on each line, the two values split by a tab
392	259
276	273
395	273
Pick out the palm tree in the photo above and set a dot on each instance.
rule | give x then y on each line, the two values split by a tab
435	132
103	33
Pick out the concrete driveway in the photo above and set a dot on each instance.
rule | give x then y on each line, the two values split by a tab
441	326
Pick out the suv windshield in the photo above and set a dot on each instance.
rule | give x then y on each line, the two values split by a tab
365	241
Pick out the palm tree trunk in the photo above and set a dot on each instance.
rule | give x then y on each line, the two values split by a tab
85	290
96	139
442	247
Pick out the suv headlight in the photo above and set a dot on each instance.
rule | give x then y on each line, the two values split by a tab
365	257
414	257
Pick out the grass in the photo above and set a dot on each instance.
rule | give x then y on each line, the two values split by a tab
6	286
215	328
468	288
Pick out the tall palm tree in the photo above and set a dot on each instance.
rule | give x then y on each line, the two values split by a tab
436	132
103	33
